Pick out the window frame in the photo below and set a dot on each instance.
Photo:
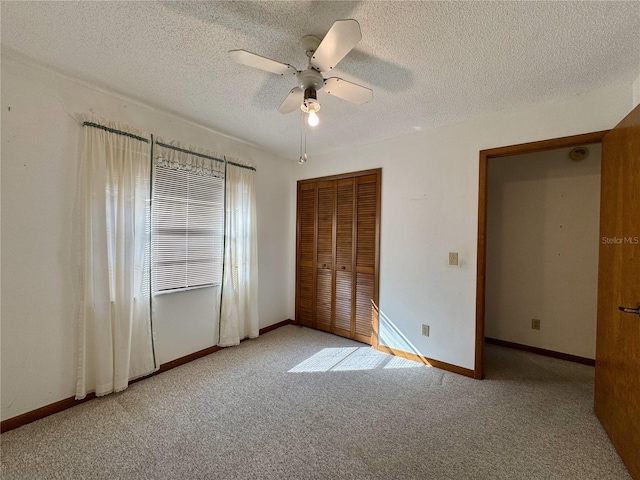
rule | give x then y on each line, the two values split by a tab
188	170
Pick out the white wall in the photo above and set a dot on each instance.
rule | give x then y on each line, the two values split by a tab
39	162
543	220
430	208
636	92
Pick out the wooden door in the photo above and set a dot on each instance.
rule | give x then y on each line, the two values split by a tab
324	258
305	274
344	255
366	200
338	243
617	385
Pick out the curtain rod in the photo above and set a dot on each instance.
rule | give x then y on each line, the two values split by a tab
113	130
146	140
248	167
183	150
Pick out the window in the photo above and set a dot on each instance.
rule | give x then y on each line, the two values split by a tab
187	226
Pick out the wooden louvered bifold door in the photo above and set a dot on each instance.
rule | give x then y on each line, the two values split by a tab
338	244
343	324
365	261
324	261
305	288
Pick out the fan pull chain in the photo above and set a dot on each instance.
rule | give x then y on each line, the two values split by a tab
303	140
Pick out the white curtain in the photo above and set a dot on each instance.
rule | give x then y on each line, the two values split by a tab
115	338
239	315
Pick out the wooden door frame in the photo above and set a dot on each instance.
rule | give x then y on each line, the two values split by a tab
485	156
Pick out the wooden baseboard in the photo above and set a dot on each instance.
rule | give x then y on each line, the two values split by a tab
276	325
186	359
427	361
542	351
59	406
38	413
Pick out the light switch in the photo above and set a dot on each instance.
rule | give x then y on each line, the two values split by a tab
453	258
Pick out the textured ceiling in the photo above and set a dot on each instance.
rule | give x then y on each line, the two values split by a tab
428	63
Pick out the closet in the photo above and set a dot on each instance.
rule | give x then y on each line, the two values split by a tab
337	259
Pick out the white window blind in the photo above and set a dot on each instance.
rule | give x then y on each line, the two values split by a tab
187	228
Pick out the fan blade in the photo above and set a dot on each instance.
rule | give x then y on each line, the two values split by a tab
339	40
348	91
293	101
256	61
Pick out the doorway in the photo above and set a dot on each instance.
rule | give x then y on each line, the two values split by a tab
485	158
543	222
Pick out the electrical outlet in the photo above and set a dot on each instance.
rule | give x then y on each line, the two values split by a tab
425	330
453	258
535	323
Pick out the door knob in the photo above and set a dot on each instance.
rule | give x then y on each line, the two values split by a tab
630	310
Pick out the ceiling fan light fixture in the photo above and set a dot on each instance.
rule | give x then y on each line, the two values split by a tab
311	106
313	119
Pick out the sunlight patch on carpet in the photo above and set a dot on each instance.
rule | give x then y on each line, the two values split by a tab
364	358
324	360
399	362
351	359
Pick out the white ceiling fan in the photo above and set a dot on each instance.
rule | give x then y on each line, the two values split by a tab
323	55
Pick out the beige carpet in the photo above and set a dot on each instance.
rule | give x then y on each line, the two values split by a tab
302	404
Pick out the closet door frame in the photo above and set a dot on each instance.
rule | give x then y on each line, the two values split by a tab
376	286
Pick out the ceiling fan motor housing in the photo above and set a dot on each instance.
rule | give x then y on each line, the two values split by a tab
310	79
